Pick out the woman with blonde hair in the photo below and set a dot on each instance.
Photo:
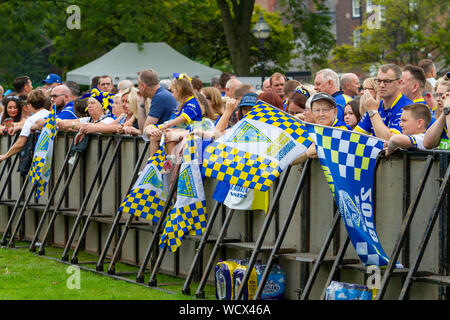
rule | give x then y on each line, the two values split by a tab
130	101
215	102
370	85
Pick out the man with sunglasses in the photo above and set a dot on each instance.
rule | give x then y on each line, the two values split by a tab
382	119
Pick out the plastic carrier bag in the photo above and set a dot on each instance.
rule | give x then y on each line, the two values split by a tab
348	291
229	275
224	278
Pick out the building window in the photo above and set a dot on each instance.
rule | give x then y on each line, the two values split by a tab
356	8
356	37
369	6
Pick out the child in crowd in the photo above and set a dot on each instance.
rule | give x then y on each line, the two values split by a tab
414	122
351	113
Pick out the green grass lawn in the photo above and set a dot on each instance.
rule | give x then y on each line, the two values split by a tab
26	276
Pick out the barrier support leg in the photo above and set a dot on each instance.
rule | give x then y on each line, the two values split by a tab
32	247
426	236
262	234
283	231
200	293
74	259
65	255
158	229
101	259
199	252
56	209
20	217
13	213
404	228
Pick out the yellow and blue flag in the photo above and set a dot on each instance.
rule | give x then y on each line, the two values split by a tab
348	161
40	169
241	198
188	215
254	152
148	195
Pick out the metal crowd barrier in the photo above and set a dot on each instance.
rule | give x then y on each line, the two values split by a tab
301	231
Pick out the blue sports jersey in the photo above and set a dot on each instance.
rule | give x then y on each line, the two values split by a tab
419	100
190	111
391	116
340	124
445	140
341	100
66	113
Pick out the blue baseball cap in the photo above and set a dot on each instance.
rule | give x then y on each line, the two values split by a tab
52	78
248	99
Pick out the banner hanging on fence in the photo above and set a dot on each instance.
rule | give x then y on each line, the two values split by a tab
40	169
148	195
188	215
348	161
254	152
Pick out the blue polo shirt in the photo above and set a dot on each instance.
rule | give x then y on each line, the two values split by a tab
391	116
67	113
341	100
162	106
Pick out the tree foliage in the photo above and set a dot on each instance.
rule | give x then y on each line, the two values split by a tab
278	49
409	30
37	40
311	23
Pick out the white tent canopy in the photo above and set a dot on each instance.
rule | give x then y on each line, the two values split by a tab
126	60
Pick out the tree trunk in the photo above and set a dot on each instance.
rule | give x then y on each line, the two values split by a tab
236	23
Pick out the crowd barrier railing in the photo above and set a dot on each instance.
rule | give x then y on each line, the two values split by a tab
301	231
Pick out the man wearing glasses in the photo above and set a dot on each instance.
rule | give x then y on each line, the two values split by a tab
382	119
61	97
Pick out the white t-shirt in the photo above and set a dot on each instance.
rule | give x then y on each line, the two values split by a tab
107	120
26	129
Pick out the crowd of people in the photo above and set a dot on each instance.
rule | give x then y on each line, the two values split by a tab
407	107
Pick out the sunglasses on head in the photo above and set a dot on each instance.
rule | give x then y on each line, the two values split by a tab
13	98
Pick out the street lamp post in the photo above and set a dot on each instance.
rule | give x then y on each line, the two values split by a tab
261	31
